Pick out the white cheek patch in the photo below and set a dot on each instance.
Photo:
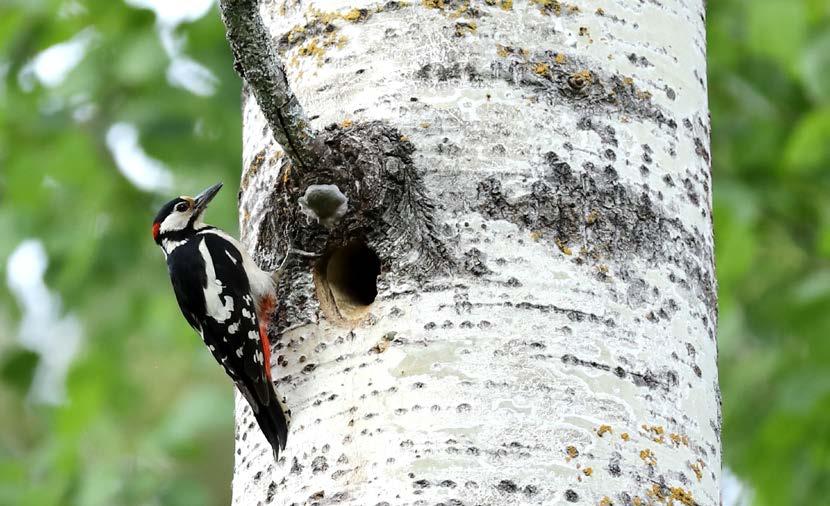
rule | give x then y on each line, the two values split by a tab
174	221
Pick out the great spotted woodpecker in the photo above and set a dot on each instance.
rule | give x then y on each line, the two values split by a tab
228	300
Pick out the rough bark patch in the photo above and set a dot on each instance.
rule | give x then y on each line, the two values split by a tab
603	218
567	77
389	210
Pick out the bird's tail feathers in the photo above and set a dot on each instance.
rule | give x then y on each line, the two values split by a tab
273	419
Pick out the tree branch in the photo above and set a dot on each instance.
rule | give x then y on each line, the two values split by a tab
256	61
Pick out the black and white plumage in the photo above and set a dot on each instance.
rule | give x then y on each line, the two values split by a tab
227	299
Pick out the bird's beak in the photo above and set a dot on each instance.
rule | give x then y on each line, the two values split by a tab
203	199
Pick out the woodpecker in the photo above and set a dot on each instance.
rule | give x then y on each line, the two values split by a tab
228	300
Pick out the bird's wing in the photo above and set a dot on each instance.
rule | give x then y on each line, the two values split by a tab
187	274
213	291
232	315
225	312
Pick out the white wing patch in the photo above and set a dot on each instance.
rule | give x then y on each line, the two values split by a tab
261	282
213	300
233	328
253	335
231	257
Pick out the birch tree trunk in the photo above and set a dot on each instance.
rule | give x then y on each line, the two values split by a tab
532	183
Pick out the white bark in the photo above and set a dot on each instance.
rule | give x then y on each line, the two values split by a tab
569	355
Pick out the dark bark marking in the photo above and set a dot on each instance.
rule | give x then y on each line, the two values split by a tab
389	208
507	486
552	74
610	219
647	379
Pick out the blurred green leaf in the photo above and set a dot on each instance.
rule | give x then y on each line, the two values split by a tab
815	68
808	148
777	29
18	368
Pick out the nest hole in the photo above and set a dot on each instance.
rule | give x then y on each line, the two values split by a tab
346	280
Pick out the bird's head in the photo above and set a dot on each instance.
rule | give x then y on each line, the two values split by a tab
182	216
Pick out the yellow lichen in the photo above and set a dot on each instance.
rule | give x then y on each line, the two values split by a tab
588	471
506	5
316	47
286	174
353	15
424	125
559	58
636	501
695	467
656	429
462	28
295	32
592	217
562	246
433	4
572	452
346	123
323	16
655	432
312	48
536	235
656	491
625	437
677	439
502	51
457	13
682	495
380	347
648	457
606	501
600	11
585	75
541	69
548	6
604	429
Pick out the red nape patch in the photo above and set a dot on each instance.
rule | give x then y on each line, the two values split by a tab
266	350
156	231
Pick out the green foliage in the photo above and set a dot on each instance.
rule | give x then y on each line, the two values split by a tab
148	418
149	415
769	79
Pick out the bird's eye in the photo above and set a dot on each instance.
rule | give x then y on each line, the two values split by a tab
181	207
